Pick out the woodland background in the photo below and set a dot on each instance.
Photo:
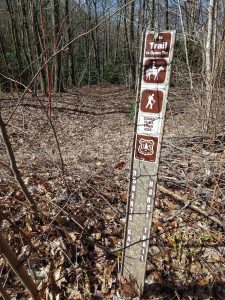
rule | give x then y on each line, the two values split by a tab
68	72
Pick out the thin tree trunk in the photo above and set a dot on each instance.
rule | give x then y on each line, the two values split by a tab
153	16
214	42
208	64
46	56
117	38
39	49
18	268
208	49
131	46
166	14
58	80
3	50
71	47
94	39
128	46
97	52
185	45
27	37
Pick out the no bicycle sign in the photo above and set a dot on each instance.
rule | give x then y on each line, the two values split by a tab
156	58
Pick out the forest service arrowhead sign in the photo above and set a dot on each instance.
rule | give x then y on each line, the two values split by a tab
150	116
146	147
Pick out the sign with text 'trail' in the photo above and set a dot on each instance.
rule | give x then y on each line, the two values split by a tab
156	59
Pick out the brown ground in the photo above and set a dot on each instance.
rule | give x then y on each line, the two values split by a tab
85	209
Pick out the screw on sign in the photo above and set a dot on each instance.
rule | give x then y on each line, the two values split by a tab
152	95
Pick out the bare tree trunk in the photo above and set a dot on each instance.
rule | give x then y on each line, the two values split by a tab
214	41
131	44
13	165
4	52
27	36
46	55
144	18
208	64
166	14
208	49
39	49
185	46
17	267
58	80
97	52
118	25
71	47
153	16
94	37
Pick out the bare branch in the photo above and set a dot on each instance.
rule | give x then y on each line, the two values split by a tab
20	271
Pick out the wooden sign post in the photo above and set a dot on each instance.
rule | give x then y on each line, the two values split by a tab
150	117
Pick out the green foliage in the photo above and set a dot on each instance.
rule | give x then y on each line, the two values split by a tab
132	110
113	72
178	243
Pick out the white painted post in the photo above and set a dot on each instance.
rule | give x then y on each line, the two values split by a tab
148	133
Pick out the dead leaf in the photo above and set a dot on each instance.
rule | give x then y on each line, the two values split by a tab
123	197
120	165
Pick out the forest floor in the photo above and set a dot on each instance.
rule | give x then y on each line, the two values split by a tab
72	252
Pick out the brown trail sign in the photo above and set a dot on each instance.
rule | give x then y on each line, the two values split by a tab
156	61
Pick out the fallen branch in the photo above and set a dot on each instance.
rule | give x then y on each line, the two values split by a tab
179	198
18	268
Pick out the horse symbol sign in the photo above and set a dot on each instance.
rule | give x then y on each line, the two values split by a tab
155	71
